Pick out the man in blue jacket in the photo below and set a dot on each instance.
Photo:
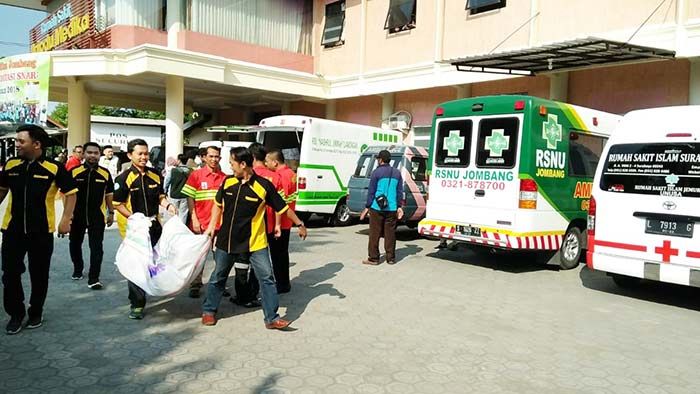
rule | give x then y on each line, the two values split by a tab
384	206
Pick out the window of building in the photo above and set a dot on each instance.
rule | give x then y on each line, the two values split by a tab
333	30
479	6
497	145
454	141
401	16
144	13
419	167
584	153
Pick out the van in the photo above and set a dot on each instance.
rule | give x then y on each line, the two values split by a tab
226	147
324	153
514	172
411	161
643	220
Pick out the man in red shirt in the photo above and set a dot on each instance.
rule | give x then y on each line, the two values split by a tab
200	189
279	247
76	159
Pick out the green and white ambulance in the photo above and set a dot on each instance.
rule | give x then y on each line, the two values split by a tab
324	153
514	172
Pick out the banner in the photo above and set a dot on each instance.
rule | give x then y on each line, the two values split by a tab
24	88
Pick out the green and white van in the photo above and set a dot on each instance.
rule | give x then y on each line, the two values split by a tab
514	172
324	153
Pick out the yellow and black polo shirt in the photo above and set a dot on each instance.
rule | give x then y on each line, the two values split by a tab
139	192
32	194
94	184
243	226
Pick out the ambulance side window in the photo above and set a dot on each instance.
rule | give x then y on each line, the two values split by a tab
584	153
453	143
497	145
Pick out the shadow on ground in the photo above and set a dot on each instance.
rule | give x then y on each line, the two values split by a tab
511	262
307	286
647	290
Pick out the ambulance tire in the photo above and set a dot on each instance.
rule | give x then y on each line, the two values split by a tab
571	248
626	282
341	216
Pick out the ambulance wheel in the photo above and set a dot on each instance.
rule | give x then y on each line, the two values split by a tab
626	282
571	248
341	216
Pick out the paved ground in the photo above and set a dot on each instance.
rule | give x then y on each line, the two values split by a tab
436	322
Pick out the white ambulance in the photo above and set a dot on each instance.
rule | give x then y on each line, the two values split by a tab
324	153
644	217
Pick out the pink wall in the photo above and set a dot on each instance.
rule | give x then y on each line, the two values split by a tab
204	43
421	103
533	86
308	108
365	110
620	89
123	36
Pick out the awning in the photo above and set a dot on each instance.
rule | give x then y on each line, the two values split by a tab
561	56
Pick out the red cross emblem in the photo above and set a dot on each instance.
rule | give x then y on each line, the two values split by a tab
666	251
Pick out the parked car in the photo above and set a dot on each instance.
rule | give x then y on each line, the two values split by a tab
412	161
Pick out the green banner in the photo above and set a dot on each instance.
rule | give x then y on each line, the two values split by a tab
24	88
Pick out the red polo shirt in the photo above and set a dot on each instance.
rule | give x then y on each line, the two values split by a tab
275	179
288	180
201	186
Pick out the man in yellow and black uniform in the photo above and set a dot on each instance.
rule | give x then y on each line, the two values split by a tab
32	181
93	210
242	237
139	189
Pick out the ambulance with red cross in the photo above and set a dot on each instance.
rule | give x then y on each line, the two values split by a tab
514	172
644	216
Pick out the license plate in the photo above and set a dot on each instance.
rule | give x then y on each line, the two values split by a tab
673	228
469	230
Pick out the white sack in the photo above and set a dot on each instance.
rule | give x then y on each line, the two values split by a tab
168	268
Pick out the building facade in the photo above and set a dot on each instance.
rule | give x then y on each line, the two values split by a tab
359	60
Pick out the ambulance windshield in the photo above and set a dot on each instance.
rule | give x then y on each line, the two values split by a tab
662	169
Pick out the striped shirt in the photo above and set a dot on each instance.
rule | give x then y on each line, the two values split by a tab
201	186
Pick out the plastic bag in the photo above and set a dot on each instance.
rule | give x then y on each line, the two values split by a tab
168	268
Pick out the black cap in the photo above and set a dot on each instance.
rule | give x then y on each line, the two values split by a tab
384	155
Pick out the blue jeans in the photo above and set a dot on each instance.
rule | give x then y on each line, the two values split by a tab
260	260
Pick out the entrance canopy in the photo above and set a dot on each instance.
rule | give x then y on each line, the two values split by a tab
561	56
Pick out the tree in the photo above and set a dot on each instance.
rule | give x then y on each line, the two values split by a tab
61	112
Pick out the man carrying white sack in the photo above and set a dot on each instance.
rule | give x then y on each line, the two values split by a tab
140	189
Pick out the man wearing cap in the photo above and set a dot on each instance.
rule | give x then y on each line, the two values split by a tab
384	207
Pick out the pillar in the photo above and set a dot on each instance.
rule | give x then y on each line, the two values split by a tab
78	113
463	91
286	108
559	86
387	105
174	115
331	109
694	83
173	21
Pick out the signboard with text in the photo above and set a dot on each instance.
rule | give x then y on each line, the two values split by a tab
24	88
69	27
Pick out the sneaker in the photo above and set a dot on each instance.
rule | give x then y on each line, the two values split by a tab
95	286
77	276
34	322
391	262
136	314
252	304
226	294
14	326
208	319
194	292
278	324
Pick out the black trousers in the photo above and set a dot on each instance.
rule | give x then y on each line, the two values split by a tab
137	296
279	253
245	282
96	234
38	247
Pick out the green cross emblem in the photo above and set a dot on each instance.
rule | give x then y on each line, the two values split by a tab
496	143
551	131
454	143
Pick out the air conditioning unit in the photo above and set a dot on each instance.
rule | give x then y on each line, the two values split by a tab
395	123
